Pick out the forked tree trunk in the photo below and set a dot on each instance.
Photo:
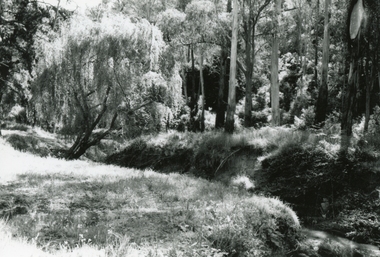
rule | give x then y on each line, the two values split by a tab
229	125
86	139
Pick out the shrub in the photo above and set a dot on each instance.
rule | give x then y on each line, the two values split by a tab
256	226
28	144
259	119
215	149
374	122
306	120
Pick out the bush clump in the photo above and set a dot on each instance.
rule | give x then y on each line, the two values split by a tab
28	144
256	226
158	153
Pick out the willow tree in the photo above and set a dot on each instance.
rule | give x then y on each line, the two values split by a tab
98	72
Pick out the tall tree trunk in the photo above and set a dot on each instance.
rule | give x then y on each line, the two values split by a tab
221	109
370	80
193	100
202	123
275	91
316	43
184	85
249	71
321	108
349	106
229	125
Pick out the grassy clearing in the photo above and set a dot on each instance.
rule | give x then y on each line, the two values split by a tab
80	208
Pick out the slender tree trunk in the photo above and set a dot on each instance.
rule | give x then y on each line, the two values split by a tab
248	73
275	91
193	100
202	123
316	43
369	85
221	110
184	85
321	108
349	106
229	125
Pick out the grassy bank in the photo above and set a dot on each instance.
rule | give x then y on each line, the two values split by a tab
63	207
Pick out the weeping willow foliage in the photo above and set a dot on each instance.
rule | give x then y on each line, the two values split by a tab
99	68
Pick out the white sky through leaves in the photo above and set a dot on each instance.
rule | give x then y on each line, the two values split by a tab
74	4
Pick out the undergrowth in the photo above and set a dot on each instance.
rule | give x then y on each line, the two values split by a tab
202	154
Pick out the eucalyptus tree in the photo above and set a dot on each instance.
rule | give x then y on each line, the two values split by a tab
321	108
230	118
274	68
98	74
363	43
252	12
194	35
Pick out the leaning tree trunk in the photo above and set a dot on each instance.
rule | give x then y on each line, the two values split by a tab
86	139
321	108
229	125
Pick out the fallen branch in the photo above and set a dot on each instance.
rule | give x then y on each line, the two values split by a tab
225	159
